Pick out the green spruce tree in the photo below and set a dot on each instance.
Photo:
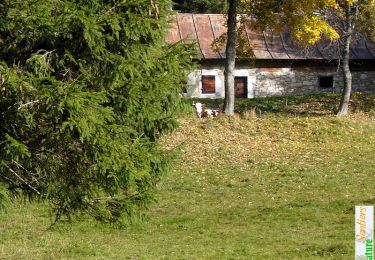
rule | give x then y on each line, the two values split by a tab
86	89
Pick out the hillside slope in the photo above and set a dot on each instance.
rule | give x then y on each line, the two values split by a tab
274	187
277	187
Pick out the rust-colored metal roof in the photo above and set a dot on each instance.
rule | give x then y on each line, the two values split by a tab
205	28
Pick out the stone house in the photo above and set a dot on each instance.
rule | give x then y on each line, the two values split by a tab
279	67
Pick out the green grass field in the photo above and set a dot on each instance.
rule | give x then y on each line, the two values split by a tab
280	186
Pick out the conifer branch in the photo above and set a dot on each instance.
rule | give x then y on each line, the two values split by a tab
28	104
19	177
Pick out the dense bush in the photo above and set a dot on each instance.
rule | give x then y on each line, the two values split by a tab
87	87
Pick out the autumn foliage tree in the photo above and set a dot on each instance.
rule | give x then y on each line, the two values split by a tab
86	89
311	20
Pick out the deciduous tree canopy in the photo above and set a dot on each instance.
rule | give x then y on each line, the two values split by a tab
311	20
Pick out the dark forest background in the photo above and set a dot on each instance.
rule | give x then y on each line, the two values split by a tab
200	6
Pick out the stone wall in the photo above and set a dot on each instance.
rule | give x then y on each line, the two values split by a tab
364	81
280	81
284	81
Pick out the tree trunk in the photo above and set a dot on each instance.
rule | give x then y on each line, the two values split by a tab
230	61
351	15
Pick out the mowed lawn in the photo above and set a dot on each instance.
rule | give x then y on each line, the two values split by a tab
274	187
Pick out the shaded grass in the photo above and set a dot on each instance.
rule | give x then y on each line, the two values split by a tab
313	104
275	187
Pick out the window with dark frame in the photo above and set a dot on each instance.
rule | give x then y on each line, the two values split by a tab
325	82
208	85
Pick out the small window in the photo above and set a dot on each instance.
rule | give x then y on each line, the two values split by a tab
208	85
326	82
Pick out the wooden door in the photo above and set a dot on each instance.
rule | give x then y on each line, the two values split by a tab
240	87
208	85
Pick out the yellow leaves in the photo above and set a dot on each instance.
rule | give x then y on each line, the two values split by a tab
309	30
351	2
307	7
305	18
308	19
211	144
366	20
